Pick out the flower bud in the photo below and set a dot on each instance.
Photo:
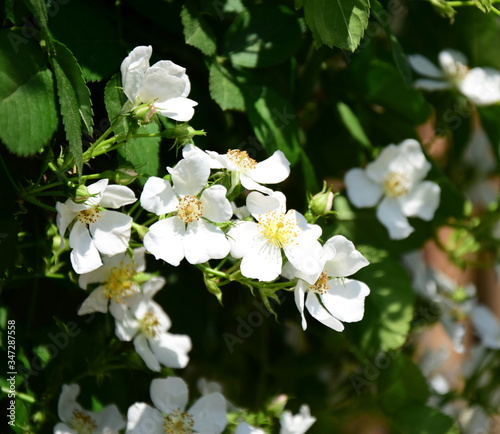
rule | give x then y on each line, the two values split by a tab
125	176
144	112
321	203
81	194
277	405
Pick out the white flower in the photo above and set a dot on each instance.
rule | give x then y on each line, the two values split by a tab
190	233
297	424
96	230
245	428
454	302
77	420
170	396
144	321
481	86
117	278
487	326
396	177
165	85
244	169
328	295
260	244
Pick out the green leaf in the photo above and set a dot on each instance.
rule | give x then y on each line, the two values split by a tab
74	99
196	30
398	54
401	383
274	121
74	74
39	8
114	99
84	28
28	116
483	5
420	419
310	179
353	125
224	88
388	308
385	87
263	36
143	153
339	23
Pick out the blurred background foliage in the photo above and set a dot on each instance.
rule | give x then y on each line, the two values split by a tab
266	75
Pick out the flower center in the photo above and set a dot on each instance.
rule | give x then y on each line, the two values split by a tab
279	228
456	73
178	422
149	324
396	184
90	215
189	209
321	285
82	422
120	283
241	159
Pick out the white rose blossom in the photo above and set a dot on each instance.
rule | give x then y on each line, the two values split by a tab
296	424
96	229
76	419
245	428
170	396
481	86
244	169
116	276
144	321
396	177
190	233
487	326
260	244
328	295
165	85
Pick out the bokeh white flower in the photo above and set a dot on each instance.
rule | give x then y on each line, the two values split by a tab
164	85
170	397
395	179
95	229
75	419
481	86
298	423
487	326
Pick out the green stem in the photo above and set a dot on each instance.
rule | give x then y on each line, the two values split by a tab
39	276
89	152
19	395
209	270
40	204
7	173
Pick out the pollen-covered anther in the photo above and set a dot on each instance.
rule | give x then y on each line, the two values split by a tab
178	422
189	209
120	283
279	228
321	285
90	215
241	159
149	324
396	184
82	422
